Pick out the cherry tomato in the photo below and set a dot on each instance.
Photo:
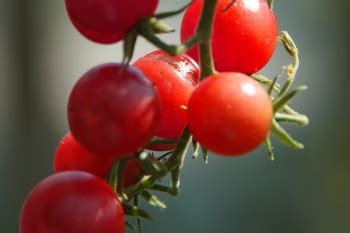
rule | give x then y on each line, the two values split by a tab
72	202
72	156
107	21
230	114
174	78
132	173
244	34
113	111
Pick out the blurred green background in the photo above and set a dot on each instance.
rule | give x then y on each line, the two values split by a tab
308	191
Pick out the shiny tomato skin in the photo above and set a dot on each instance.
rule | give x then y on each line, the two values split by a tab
230	114
72	202
244	35
175	78
113	112
107	21
70	156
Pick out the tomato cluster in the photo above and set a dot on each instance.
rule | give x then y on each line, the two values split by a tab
115	110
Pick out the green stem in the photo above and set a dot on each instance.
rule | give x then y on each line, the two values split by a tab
205	30
207	69
152	38
301	120
112	180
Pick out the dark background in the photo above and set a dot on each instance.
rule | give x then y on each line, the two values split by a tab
308	191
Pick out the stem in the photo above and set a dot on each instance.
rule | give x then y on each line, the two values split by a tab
206	62
175	163
301	120
138	221
152	38
205	31
112	180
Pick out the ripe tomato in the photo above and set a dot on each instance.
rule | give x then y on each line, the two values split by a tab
244	36
70	202
72	156
107	21
174	78
132	173
230	113
113	111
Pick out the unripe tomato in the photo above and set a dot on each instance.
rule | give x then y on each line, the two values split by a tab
72	202
113	111
244	34
174	78
230	114
107	21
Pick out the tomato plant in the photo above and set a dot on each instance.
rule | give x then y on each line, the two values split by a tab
174	78
72	202
237	116
107	21
113	111
116	113
72	156
244	36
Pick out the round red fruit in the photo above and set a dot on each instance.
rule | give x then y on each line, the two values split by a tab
107	21
174	78
230	114
70	155
113	110
244	35
132	173
70	202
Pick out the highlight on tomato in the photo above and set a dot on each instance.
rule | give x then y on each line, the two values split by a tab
244	34
230	114
113	110
175	78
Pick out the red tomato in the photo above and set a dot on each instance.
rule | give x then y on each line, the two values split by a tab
230	113
174	78
72	202
107	21
72	156
244	36
132	173
113	112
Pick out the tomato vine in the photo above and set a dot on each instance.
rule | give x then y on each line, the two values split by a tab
125	144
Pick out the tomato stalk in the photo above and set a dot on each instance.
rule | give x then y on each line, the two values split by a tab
205	32
203	35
